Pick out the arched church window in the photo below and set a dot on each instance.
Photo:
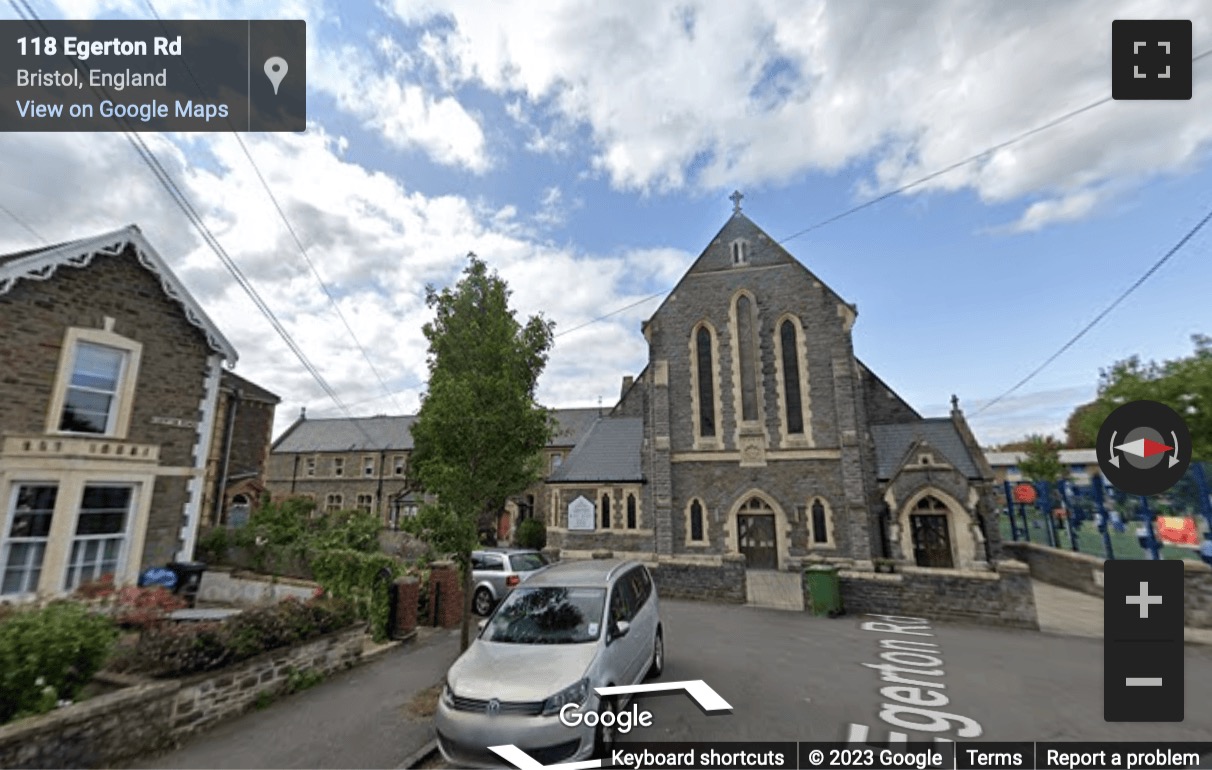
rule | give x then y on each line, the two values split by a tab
747	345
791	377
931	503
696	521
606	511
631	523
706	382
820	526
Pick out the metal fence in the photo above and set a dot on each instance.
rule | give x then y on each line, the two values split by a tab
1098	519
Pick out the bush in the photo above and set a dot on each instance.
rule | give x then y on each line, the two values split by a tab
531	533
214	545
48	654
130	606
179	649
361	578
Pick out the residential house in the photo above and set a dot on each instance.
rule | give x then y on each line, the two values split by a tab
239	451
110	375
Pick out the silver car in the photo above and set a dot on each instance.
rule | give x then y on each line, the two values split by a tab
538	660
496	571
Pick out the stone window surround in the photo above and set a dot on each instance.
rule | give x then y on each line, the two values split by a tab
633	497
790	440
71	483
782	527
399	465
365	502
368	466
739	250
706	541
309	466
338	466
124	398
333	502
964	545
701	442
555	461
810	528
557	519
758	382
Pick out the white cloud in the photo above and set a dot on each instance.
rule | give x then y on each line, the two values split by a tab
720	94
1064	209
404	113
375	243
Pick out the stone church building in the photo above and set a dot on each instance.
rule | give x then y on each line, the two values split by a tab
754	430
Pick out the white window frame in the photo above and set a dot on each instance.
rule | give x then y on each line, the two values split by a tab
123	549
118	425
333	507
557	460
368	466
365	500
309	466
400	465
338	466
7	540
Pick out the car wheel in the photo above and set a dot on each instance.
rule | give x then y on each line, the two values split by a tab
603	735
481	603
658	656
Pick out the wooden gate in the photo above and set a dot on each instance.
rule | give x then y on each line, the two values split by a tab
756	540
931	540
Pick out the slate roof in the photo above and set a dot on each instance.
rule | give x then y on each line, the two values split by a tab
892	443
610	451
340	434
249	389
41	264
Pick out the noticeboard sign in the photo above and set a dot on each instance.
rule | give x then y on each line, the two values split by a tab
581	514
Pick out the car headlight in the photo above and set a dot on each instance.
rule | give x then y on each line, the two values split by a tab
576	694
447	695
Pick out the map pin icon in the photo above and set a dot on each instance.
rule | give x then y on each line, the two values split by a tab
275	70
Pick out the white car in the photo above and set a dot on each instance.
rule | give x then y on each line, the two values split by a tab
534	667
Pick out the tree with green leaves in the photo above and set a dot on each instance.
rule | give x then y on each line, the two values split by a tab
1077	430
1183	384
1041	460
479	433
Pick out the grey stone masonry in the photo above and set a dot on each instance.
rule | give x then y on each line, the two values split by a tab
110	729
1001	598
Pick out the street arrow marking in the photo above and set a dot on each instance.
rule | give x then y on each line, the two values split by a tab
1144	447
707	698
697	689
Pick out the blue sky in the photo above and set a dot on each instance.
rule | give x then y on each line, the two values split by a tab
587	152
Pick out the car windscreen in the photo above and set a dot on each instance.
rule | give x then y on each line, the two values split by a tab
526	562
548	615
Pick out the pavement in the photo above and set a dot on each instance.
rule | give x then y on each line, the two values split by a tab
1019	685
1072	613
355	719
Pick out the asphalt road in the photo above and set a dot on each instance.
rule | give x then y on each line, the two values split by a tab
794	677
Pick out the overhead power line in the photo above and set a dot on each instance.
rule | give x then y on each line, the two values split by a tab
290	229
28	227
182	201
1105	312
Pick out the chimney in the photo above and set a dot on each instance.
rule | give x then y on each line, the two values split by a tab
627	381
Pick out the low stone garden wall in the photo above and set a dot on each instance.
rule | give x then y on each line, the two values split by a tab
707	577
246	588
1083	572
153	715
1002	597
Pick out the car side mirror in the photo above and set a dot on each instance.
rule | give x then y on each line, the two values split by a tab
620	629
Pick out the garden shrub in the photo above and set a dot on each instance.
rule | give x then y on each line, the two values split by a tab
178	649
47	654
361	578
129	606
213	546
531	533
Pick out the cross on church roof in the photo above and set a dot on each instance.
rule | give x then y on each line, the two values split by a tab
736	201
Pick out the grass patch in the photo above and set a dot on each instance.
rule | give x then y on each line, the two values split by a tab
425	703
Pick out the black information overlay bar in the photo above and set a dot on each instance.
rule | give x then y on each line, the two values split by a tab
153	76
941	755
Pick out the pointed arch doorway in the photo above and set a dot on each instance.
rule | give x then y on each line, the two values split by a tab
757	534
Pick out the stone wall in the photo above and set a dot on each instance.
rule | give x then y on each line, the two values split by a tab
247	589
1002	598
151	716
1083	572
687	578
